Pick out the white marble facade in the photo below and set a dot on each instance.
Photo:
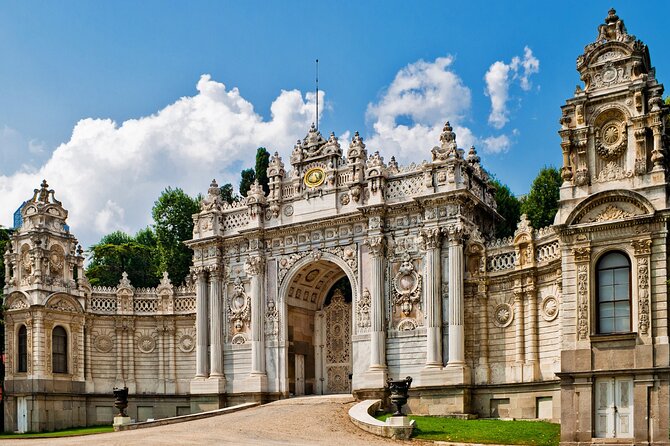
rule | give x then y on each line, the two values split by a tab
354	269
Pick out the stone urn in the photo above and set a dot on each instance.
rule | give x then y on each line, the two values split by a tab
398	389
121	401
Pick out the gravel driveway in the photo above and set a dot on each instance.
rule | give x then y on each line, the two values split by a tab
321	420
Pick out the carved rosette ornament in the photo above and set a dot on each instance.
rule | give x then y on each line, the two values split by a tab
503	315
549	308
407	286
611	140
239	308
186	339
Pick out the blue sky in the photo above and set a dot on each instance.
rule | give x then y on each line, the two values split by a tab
107	99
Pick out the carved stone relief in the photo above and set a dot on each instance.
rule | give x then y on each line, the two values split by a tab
363	312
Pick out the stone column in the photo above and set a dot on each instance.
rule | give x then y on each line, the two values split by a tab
118	331
377	333
160	329
201	304
216	323
130	330
456	309
431	240
483	373
255	267
520	355
533	350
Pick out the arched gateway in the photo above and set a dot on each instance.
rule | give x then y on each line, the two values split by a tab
316	298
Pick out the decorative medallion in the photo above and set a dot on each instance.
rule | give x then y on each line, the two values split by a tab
314	177
146	343
288	210
186	343
549	308
344	199
186	340
611	140
239	338
103	343
503	315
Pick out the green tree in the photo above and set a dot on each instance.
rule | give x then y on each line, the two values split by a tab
118	252
173	224
262	163
4	238
228	194
541	203
509	207
247	178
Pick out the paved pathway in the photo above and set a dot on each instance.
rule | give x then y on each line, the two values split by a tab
321	420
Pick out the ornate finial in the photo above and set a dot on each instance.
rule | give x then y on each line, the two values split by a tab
611	16
448	137
473	158
213	188
357	140
124	282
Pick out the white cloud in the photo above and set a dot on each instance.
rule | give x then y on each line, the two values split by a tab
109	175
496	144
409	116
498	79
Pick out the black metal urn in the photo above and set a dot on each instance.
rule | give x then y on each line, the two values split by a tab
398	391
121	401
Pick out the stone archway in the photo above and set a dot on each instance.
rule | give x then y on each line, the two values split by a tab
318	298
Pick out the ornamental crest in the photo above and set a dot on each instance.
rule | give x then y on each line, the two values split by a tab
407	286
239	308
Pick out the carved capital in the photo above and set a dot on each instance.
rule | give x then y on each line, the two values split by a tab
376	245
455	234
254	265
641	247
215	272
430	238
582	254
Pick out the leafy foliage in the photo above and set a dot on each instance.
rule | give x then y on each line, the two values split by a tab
4	238
173	224
247	178
509	207
118	252
541	203
262	163
228	194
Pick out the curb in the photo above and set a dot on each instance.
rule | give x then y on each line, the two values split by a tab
184	418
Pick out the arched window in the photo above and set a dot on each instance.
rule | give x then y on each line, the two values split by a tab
22	362
59	350
613	293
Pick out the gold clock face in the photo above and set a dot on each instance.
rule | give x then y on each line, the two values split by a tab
314	177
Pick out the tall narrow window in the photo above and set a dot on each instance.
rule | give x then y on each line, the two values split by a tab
59	350
22	363
614	293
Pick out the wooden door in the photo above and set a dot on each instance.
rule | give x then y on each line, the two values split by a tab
299	375
614	407
22	414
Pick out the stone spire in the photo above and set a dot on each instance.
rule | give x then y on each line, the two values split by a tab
448	147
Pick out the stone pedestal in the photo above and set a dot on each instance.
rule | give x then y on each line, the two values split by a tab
398	421
120	421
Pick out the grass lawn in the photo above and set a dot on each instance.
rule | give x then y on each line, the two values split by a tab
62	433
537	433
